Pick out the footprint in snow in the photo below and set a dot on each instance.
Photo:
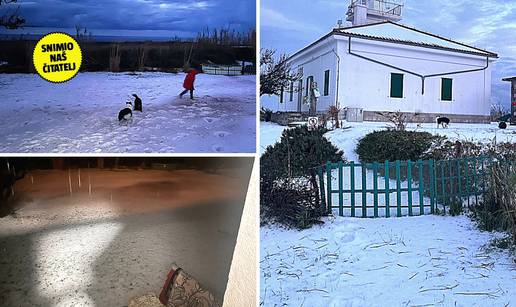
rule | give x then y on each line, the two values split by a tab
209	120
221	134
217	148
345	237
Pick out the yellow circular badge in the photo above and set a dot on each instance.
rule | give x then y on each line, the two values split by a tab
57	57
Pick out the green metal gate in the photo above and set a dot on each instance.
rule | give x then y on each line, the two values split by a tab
401	188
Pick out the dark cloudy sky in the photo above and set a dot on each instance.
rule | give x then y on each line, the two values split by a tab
137	17
289	25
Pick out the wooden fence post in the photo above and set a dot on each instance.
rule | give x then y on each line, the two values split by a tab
387	191
398	188
466	173
484	177
341	189
475	182
352	173
451	182
328	187
364	191
443	185
433	185
321	187
459	181
375	188
409	186
420	167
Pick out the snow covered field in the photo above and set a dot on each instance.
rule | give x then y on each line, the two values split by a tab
119	242
410	261
80	116
413	261
347	139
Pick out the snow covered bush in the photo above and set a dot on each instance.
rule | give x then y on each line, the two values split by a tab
298	151
293	202
456	206
502	151
289	193
393	145
265	114
444	149
498	210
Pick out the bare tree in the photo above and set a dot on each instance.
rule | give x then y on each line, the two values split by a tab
11	19
82	33
115	58
275	75
498	111
144	50
398	119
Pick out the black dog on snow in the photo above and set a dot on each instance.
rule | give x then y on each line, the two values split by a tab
137	103
442	121
126	113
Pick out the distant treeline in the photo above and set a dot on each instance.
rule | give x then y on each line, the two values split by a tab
218	46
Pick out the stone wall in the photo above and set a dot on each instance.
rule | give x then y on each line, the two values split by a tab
285	118
373	116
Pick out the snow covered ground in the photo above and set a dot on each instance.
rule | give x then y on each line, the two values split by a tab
80	116
62	249
270	133
412	261
347	139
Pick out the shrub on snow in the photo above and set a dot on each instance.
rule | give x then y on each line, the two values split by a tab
298	151
288	189
393	145
498	209
293	203
444	149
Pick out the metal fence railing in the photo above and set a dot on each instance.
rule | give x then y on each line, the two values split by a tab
401	188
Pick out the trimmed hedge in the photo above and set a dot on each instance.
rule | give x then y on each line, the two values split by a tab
394	145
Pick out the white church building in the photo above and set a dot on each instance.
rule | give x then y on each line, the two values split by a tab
378	65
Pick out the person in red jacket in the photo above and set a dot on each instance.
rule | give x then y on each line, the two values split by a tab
188	84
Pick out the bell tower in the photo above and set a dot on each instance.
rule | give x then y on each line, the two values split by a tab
362	12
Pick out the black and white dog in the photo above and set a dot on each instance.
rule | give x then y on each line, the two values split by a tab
137	103
126	113
442	121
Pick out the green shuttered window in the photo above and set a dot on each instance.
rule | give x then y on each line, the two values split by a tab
327	83
446	89
396	85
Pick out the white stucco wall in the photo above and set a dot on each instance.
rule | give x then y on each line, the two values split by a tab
364	84
314	63
242	288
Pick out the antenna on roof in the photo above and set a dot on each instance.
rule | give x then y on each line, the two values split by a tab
339	24
370	11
